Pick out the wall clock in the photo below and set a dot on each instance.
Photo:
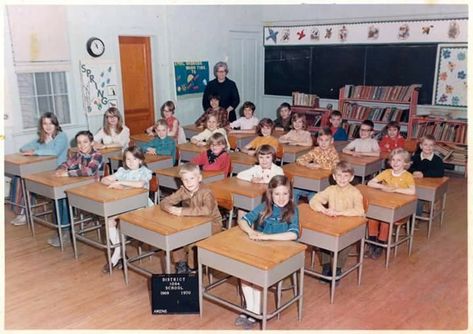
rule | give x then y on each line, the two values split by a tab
95	47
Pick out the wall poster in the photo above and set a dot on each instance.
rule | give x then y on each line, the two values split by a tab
191	77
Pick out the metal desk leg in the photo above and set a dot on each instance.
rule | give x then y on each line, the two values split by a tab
27	206
388	248
265	307
107	236
411	236
431	216
444	200
168	262
73	232
362	251
125	261
301	292
58	222
201	288
334	275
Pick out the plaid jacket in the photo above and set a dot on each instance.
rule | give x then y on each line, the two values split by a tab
81	164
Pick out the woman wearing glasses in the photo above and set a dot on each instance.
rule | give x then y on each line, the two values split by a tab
113	133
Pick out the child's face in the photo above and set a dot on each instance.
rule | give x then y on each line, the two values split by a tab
427	146
397	163
248	113
285	112
48	126
393	132
214	103
335	121
365	132
167	112
161	131
84	144
131	161
343	179
281	196
217	148
298	124
266	131
191	181
324	141
265	160
212	123
112	120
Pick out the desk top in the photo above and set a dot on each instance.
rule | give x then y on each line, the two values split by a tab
233	137
143	137
157	220
235	244
191	147
334	226
243	158
295	148
233	185
174	172
364	160
431	182
277	133
294	169
99	192
385	199
149	158
104	151
49	179
20	159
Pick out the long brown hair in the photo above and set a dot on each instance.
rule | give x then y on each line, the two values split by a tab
286	212
137	153
41	133
112	111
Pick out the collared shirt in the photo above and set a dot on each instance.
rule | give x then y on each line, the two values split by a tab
245	123
347	200
274	223
363	145
165	146
258	172
404	180
327	159
81	164
122	138
423	156
140	174
294	136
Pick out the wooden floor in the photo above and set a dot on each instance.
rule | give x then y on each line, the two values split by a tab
47	289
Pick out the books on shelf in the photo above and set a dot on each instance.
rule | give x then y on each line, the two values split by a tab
401	94
377	114
314	119
442	130
308	100
455	154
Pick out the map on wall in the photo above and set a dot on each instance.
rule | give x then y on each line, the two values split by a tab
191	77
99	86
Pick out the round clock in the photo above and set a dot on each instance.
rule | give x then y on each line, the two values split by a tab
95	47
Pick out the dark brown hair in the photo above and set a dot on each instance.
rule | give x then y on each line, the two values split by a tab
136	152
264	122
265	150
171	106
298	116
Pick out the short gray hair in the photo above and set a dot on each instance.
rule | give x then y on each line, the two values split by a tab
220	64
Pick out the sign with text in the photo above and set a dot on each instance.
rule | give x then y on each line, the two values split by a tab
191	77
174	294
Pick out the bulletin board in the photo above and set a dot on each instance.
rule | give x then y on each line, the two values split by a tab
99	86
191	77
451	76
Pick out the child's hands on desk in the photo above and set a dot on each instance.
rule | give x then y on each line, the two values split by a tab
388	189
330	212
151	151
61	172
116	185
312	165
418	175
174	210
28	153
201	143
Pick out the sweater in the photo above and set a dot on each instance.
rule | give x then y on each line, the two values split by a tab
429	168
57	146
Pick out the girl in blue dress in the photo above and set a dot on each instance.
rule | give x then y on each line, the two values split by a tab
277	218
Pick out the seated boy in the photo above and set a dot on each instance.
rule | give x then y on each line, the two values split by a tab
343	199
191	200
247	122
162	144
365	145
426	164
324	156
338	132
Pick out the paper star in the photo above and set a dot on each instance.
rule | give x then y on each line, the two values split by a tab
301	34
272	34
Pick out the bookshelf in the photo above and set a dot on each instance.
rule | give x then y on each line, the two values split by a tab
317	118
445	131
380	104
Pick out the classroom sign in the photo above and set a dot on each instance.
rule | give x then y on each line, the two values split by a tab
191	77
174	293
99	86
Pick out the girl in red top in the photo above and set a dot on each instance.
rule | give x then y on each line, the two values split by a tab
216	158
392	139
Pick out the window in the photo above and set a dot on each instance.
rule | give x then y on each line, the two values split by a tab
42	92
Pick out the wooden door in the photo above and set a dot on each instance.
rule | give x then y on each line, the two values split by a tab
137	82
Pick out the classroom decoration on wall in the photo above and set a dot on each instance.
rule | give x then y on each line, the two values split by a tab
409	31
99	86
451	76
191	77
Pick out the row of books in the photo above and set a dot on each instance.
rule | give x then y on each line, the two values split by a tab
377	114
452	153
400	94
308	100
442	131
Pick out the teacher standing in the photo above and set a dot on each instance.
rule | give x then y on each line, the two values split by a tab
224	88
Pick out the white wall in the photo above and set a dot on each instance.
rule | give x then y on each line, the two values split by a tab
185	33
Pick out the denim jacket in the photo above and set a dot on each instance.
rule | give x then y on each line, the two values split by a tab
274	223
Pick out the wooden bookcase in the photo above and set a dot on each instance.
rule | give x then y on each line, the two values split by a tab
445	131
380	104
317	118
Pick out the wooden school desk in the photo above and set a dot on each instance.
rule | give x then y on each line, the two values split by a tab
21	165
240	139
390	207
188	150
263	263
340	145
152	161
53	187
160	229
307	178
191	130
141	138
363	166
432	189
102	201
333	234
169	177
292	152
241	161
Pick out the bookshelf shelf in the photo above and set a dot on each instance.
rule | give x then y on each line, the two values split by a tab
444	130
317	118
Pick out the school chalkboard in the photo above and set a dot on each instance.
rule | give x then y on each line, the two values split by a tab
324	69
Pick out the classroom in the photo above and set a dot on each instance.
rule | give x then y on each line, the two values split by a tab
88	89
